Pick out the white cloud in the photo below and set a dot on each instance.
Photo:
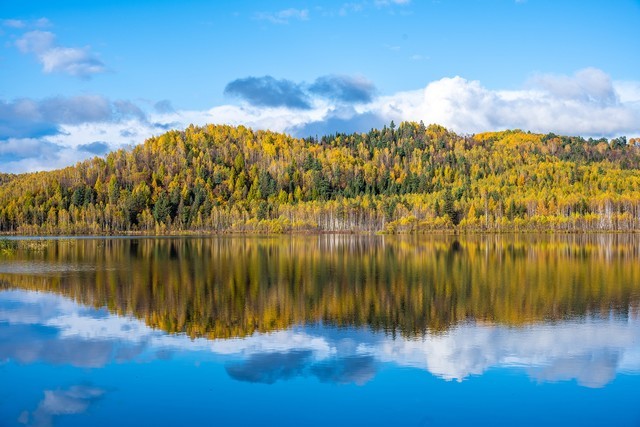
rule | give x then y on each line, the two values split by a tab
77	62
22	147
51	133
14	23
628	91
348	8
277	119
362	6
35	42
586	85
21	24
37	155
283	16
391	2
587	103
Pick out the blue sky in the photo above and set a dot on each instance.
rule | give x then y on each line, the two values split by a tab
80	78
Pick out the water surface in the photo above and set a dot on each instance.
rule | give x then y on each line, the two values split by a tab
321	330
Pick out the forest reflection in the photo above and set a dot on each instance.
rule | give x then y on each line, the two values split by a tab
413	285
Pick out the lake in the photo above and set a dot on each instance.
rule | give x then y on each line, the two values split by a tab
321	330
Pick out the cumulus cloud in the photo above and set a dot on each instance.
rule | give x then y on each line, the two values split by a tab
28	118
95	147
76	110
588	85
344	88
34	131
283	16
77	62
47	133
17	149
163	107
123	110
35	42
45	155
269	92
628	91
587	103
341	120
67	144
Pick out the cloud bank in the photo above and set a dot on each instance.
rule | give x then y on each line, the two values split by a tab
587	103
48	133
28	118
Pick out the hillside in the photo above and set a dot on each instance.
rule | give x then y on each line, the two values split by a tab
407	179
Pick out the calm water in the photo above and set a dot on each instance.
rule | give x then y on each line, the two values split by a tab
321	330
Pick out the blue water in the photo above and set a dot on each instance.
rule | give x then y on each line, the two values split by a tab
65	364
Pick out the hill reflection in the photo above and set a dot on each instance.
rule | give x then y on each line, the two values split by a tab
235	286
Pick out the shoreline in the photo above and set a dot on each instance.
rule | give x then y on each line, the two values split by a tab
202	234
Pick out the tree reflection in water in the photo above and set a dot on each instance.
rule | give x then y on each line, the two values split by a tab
414	285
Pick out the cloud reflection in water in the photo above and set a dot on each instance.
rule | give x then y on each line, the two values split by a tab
40	327
74	400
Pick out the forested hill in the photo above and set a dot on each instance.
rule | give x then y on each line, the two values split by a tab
409	178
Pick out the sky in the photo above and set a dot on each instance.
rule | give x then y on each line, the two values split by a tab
79	79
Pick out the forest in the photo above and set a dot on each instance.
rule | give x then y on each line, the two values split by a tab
409	178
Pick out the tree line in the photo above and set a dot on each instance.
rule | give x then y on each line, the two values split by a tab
406	178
